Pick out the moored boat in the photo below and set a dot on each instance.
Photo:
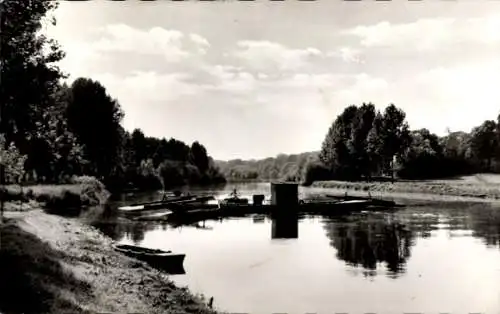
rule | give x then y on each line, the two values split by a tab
154	257
200	202
164	203
233	200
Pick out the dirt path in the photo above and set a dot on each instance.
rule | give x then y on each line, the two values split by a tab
96	279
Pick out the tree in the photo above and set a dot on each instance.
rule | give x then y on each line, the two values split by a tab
12	161
171	173
198	157
55	153
29	74
357	144
374	145
424	158
395	136
334	153
484	143
95	119
138	145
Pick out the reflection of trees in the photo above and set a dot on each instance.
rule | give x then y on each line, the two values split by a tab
370	241
480	218
137	233
120	229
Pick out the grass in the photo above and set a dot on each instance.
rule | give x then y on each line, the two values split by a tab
32	279
50	264
477	186
61	198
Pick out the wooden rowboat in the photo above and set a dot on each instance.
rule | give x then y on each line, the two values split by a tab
155	205
156	258
181	203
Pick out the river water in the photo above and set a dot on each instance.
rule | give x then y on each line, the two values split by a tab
426	258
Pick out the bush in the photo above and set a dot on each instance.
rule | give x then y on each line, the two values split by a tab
316	171
64	202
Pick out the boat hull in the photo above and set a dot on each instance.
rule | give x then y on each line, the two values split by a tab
165	260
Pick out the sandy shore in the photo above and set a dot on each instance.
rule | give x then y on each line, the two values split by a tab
477	187
59	265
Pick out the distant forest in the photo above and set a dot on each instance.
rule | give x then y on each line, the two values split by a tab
282	167
51	132
363	143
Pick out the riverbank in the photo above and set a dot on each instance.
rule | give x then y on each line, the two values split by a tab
68	198
59	265
479	186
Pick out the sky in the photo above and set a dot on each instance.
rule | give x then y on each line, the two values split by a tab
255	79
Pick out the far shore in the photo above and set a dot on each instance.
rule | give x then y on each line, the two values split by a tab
478	187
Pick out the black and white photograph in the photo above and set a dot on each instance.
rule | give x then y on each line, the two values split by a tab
250	157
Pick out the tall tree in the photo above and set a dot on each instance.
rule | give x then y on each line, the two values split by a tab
334	151
395	136
374	145
29	74
361	125
199	157
95	119
484	143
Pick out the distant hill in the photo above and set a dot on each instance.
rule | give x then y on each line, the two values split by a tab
282	167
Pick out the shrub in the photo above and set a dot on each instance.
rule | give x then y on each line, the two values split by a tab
315	171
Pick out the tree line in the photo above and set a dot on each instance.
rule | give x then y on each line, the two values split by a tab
51	131
365	144
282	167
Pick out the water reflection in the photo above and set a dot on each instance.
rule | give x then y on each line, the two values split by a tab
258	219
478	220
285	227
368	241
423	258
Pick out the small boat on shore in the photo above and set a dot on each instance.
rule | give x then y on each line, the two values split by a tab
154	257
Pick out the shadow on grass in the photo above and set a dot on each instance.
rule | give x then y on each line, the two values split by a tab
32	279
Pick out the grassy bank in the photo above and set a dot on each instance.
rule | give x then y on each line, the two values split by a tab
51	264
80	192
480	186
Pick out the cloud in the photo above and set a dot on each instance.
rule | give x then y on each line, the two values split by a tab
199	39
423	34
121	49
461	90
429	34
347	54
172	45
168	81
267	55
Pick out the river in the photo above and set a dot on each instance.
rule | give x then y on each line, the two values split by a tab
426	258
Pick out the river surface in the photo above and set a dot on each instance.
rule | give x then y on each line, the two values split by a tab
426	258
